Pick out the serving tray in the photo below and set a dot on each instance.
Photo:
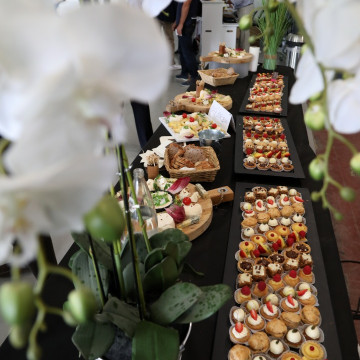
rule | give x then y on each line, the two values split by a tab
239	168
222	343
284	100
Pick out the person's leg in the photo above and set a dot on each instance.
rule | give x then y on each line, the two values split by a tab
244	34
169	33
184	70
142	122
188	51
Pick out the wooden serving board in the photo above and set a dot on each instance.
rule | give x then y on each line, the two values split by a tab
181	104
213	56
194	231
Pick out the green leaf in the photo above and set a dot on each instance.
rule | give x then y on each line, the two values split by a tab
121	314
82	267
102	250
130	280
178	251
140	247
211	300
153	257
187	268
154	342
174	302
93	339
161	276
159	240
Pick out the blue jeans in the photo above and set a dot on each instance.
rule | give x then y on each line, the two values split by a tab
187	55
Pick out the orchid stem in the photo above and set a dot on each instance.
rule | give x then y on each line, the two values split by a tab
3	145
118	269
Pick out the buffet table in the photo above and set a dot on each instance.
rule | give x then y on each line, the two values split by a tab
209	252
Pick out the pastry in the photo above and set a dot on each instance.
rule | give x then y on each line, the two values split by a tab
237	314
252	305
294	192
277	258
239	352
312	332
298	218
260	289
263	228
283	190
312	350
282	230
259	206
299	208
260	192
270	202
291	278
292	320
273	192
239	333
276	328
291	254
291	239
263	218
273	222
299	227
285	221
272	298
284	200
249	222
247	246
246	206
310	315
272	236
276	348
248	233
259	342
291	264
259	273
242	295
245	266
269	311
305	297
258	239
302	247
294	338
286	291
290	304
289	355
260	357
287	211
303	286
296	199
244	279
263	261
249	213
250	162
274	213
306	274
276	282
273	269
254	321
305	259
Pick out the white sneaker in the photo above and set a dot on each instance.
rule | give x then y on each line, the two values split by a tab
175	67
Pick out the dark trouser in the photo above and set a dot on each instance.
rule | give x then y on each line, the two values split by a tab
187	55
142	122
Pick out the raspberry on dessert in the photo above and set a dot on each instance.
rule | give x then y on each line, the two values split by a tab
277	277
293	273
262	285
307	270
246	290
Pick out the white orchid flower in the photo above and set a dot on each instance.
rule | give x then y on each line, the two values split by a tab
53	199
344	105
115	51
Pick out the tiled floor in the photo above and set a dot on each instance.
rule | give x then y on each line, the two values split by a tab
347	231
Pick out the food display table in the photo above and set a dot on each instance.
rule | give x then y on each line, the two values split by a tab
209	254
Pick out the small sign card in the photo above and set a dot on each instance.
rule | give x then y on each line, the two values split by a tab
221	115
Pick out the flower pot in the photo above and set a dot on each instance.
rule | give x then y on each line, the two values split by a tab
269	61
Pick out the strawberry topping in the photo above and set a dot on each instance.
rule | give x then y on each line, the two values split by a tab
253	314
302	233
256	253
261	249
297	198
279	243
249	151
242	254
239	327
269	306
291	300
275	246
290	241
302	292
270	201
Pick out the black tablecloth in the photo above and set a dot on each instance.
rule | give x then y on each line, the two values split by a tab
209	250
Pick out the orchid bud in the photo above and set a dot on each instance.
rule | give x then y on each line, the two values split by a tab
347	193
245	22
317	169
315	117
355	163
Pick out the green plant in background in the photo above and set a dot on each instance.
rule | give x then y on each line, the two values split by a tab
327	82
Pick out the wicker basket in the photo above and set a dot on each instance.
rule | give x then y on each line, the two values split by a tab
206	175
217	81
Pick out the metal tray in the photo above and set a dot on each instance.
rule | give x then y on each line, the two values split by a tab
239	168
222	343
284	99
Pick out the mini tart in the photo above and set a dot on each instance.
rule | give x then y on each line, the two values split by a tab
292	320
283	190
249	213
298	218
292	278
273	192
267	314
248	164
277	258
263	218
273	269
274	213
248	233
277	347
258	239
287	306
306	274
290	356
259	273
302	247
244	279
305	259
312	350
291	264
299	208
294	338
307	298
310	315
294	192
239	352
239	337
259	342
263	228
247	246
259	206
282	230
249	197
245	265
257	324
260	192
272	236
299	227
276	328
249	222
276	285
291	254
246	206
284	201
288	167
285	221
260	289
237	314
273	222
287	211
312	332
262	261
271	202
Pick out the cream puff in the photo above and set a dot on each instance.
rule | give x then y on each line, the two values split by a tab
290	304
254	321
269	311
